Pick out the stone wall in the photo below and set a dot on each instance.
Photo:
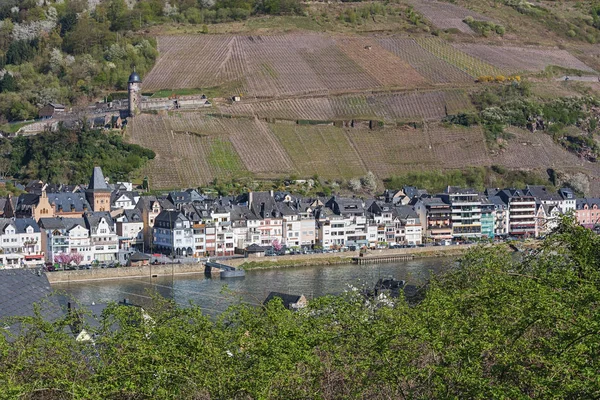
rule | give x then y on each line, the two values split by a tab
433	251
124	272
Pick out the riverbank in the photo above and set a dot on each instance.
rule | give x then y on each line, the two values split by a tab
345	257
299	260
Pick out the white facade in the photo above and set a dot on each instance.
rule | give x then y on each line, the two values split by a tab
21	244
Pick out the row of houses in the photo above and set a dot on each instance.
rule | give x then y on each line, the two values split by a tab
105	222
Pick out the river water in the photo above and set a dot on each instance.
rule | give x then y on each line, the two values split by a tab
214	295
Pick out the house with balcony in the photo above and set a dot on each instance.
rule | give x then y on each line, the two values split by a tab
488	219
465	210
408	226
521	212
62	235
20	243
173	234
436	218
270	227
103	236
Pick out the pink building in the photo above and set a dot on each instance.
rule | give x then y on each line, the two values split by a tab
587	212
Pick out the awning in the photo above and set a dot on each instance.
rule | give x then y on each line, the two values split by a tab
34	257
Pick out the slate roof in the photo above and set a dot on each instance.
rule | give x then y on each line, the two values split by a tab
60	223
133	215
542	193
92	220
167	219
21	288
20	224
69	202
97	181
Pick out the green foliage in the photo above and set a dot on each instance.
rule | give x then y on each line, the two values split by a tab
478	178
494	327
69	156
484	28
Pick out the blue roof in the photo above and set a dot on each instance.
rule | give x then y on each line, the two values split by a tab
134	78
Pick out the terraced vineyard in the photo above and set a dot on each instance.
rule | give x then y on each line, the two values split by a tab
393	151
385	66
319	64
396	151
425	63
471	65
195	62
518	59
322	150
418	105
186	156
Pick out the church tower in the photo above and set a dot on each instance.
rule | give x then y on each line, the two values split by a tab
98	192
134	92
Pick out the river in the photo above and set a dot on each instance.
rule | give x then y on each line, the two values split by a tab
214	295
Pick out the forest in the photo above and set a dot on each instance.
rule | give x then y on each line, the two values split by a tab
494	326
64	52
68	156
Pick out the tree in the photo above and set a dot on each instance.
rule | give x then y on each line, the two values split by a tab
354	184
369	182
277	246
63	259
76	258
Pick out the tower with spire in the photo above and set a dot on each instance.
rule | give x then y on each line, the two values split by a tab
134	94
98	192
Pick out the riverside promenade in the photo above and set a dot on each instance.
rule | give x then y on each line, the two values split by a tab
154	271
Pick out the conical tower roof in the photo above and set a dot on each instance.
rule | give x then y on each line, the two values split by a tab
97	181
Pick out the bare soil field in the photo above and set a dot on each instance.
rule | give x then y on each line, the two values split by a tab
519	59
446	15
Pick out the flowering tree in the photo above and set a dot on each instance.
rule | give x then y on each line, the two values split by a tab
63	259
277	246
76	258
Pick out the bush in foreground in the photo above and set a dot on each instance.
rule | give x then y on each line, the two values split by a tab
495	327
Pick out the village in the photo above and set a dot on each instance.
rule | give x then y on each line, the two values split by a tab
104	224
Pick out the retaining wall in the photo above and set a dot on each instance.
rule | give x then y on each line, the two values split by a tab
124	272
432	251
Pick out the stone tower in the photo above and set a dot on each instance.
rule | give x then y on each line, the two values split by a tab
134	87
98	192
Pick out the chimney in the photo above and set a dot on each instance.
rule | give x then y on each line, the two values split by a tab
249	199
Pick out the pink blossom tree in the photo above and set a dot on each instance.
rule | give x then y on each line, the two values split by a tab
76	258
63	259
277	246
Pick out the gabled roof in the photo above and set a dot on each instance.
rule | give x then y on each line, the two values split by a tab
133	216
93	219
169	218
61	223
